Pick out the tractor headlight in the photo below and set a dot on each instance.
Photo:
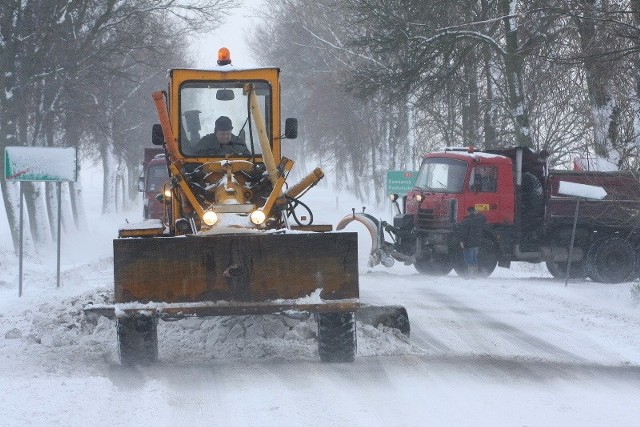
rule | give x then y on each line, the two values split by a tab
257	217
167	194
210	217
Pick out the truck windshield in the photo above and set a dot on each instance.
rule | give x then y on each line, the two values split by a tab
157	175
441	175
203	103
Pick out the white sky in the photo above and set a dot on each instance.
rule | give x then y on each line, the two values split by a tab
231	35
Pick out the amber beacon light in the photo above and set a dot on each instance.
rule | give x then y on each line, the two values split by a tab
224	56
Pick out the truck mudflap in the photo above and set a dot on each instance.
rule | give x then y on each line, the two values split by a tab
243	267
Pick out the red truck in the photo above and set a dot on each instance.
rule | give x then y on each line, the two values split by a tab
528	217
153	175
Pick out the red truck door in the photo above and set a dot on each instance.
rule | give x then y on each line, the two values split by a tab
490	190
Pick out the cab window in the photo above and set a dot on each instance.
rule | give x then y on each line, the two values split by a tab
484	179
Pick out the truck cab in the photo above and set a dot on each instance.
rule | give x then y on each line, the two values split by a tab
450	182
505	185
153	177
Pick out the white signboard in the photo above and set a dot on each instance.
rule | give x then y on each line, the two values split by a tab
581	190
40	164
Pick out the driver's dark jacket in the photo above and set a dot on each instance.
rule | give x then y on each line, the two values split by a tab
210	146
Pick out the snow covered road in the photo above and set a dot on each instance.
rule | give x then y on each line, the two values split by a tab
515	349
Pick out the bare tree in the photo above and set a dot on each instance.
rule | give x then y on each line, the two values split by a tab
56	57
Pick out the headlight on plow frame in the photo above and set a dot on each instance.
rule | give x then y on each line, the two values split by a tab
257	217
210	218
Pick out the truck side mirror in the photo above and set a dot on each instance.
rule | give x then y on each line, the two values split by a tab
157	137
291	128
141	183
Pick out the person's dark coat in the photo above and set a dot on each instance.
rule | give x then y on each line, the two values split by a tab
471	229
210	146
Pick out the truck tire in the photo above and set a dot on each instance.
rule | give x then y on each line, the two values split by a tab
336	337
558	269
487	260
137	340
440	265
612	260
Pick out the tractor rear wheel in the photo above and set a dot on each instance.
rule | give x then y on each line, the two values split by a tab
337	337
612	260
137	340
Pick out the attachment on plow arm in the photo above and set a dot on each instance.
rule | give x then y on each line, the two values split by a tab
378	254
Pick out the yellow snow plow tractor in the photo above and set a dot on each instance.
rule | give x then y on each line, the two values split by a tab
231	241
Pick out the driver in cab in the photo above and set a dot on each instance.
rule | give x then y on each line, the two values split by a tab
222	141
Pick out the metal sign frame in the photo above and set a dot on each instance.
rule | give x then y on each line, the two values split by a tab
48	164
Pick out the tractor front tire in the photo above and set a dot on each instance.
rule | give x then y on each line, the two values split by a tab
137	340
337	337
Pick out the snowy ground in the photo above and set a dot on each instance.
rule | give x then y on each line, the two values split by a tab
517	348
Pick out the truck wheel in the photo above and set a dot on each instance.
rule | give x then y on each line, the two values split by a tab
558	269
612	260
336	337
437	266
137	340
487	260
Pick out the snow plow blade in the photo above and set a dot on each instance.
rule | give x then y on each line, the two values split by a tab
318	269
392	316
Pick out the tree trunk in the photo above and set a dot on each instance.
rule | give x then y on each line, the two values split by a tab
109	168
635	10
77	205
11	200
603	105
72	134
410	153
36	212
514	70
470	108
489	120
9	99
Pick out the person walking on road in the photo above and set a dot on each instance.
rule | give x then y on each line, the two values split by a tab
470	232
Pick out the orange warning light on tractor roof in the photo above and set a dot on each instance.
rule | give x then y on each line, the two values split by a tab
224	56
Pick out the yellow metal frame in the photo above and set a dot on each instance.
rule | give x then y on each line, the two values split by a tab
169	116
269	75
